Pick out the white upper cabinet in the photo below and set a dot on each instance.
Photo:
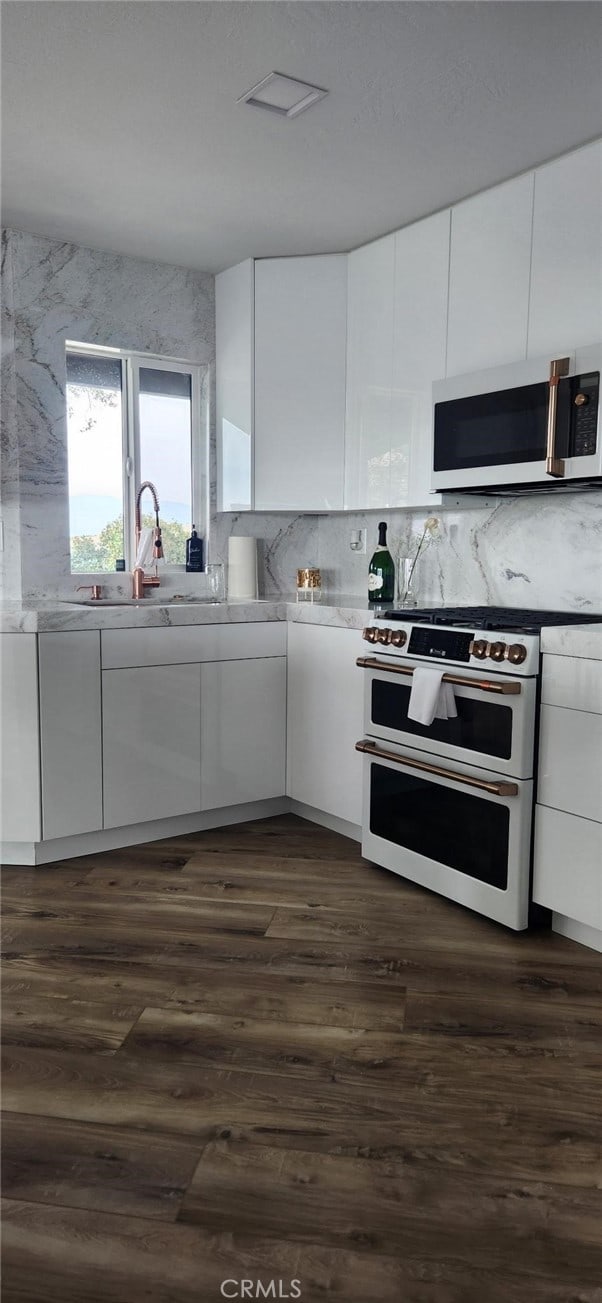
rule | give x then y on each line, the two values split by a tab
370	344
234	311
396	331
420	329
566	278
300	340
489	277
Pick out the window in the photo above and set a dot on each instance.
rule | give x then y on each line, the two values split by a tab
131	418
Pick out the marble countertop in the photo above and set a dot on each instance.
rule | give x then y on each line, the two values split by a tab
62	616
583	640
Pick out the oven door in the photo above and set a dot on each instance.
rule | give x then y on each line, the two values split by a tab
457	831
496	715
511	426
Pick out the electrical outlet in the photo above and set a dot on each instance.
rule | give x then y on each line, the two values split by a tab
357	540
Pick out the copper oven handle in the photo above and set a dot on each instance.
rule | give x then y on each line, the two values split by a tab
510	689
554	464
496	789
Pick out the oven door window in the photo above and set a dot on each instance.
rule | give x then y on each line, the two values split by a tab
482	725
445	824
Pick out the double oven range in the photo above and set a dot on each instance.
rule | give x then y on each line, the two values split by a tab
450	805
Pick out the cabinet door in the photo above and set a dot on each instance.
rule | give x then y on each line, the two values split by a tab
70	726
234	296
325	720
566	278
243	731
421	287
151	743
567	865
19	739
570	761
300	335
489	277
370	343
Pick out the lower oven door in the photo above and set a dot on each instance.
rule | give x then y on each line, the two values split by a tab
495	724
458	830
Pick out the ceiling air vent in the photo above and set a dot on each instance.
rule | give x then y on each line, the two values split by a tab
281	94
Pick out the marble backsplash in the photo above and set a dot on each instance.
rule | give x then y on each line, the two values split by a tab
541	551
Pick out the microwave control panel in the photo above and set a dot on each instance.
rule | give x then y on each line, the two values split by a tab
584	418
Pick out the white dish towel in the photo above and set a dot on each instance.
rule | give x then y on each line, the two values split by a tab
146	546
430	698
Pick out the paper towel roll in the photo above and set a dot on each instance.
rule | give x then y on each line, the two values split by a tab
242	567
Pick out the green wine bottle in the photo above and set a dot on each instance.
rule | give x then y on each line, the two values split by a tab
381	571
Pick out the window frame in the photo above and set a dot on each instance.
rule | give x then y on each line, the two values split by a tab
131	361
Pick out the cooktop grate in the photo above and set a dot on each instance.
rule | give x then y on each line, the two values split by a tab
491	617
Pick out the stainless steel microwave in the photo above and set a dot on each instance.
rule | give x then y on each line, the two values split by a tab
531	426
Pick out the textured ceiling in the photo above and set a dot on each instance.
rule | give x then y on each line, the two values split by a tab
121	128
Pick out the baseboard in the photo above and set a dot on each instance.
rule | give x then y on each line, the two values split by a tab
111	839
23	854
581	932
332	821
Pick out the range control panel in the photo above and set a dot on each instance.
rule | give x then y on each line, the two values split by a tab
440	644
456	646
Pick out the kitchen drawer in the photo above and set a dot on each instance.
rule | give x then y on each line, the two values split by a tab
570	761
567	872
127	648
572	681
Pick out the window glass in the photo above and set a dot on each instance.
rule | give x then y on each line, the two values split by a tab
95	461
165	412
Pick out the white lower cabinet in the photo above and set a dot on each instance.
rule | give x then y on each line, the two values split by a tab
567	874
151	743
70	733
567	871
19	739
325	720
243	731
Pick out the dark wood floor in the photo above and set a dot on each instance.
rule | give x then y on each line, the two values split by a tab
248	1055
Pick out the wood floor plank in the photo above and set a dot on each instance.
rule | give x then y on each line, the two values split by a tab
56	1255
170	1096
192	957
66	1024
377	1005
266	1045
108	1169
140	913
385	1207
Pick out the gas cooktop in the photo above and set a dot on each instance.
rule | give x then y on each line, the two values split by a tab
508	618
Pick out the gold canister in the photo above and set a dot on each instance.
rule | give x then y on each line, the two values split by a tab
309	585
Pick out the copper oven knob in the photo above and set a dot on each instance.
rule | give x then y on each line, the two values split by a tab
369	635
398	638
516	653
383	635
478	648
581	400
497	651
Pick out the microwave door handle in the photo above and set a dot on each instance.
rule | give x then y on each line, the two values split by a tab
555	465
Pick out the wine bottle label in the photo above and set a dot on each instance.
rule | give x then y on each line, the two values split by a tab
374	582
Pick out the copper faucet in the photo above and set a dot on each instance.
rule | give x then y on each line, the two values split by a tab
140	580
